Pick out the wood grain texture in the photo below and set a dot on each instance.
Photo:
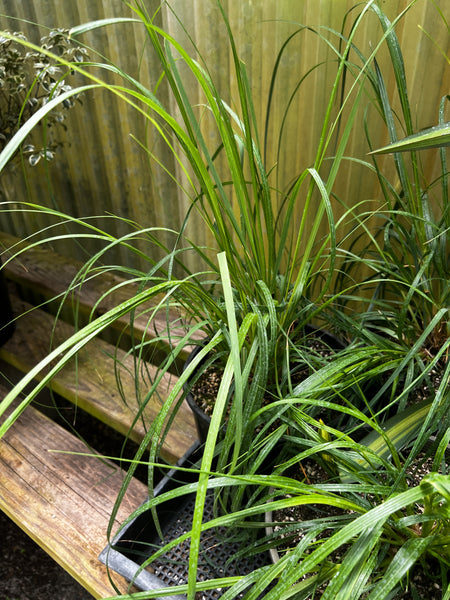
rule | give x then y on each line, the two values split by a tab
90	381
104	171
50	275
63	501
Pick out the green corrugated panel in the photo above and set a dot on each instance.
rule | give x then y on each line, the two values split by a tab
102	170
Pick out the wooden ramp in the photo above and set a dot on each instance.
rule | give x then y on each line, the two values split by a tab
49	275
63	501
60	498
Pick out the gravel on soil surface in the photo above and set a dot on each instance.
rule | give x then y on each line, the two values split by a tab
29	573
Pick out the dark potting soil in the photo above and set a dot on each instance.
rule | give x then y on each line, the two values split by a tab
206	389
427	582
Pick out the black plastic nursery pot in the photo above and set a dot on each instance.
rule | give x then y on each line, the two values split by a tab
202	420
139	540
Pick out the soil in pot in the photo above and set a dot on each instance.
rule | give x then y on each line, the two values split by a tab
202	395
426	580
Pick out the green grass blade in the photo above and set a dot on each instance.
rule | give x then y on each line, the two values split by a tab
13	145
232	370
397	432
404	559
434	137
93	25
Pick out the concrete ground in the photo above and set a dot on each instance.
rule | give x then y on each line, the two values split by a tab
28	573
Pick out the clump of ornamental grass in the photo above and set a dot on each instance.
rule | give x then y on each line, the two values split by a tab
267	277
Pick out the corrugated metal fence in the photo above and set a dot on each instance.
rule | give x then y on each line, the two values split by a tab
102	170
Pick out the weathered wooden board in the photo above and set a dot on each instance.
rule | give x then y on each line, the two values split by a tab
63	501
90	380
50	275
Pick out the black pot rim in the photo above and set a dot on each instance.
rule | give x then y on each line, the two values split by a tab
203	420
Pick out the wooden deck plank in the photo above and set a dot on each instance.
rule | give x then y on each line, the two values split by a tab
63	501
90	380
50	274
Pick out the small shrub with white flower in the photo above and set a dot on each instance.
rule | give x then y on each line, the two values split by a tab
29	78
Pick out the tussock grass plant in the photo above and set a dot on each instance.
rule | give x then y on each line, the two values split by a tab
408	251
269	302
267	278
411	250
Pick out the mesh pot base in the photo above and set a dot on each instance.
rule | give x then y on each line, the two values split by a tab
140	539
